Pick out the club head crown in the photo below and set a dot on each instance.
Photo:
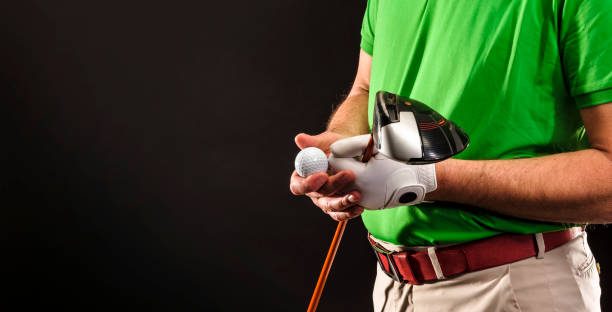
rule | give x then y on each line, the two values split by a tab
410	131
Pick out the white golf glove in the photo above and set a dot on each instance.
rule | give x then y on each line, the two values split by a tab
382	182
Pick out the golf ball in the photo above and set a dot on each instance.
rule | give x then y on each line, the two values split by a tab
310	160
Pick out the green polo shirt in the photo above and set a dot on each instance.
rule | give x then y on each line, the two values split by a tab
512	74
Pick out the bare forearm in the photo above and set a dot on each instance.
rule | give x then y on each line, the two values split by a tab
569	187
351	117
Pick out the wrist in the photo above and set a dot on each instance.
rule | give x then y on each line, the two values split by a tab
442	169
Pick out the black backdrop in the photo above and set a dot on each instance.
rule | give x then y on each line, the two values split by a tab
146	152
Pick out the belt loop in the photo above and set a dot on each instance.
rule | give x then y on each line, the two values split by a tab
431	251
393	268
541	246
378	250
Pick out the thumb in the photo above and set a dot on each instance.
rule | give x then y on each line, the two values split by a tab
351	147
321	141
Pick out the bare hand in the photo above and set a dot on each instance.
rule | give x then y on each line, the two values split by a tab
324	190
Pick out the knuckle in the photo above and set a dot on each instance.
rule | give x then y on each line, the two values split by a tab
345	201
322	204
337	204
300	187
329	205
293	189
335	216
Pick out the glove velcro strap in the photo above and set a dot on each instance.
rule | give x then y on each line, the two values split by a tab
426	175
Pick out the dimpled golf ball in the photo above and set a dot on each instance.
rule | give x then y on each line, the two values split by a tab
310	160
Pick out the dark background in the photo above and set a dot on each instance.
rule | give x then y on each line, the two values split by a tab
146	153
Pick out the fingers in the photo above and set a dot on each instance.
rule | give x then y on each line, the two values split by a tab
320	183
304	140
302	186
348	214
323	191
336	203
322	140
337	182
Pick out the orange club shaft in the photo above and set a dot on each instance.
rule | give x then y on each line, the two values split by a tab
331	254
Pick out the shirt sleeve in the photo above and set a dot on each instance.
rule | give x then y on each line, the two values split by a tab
586	49
368	26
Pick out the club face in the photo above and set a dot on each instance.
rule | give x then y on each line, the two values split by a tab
410	131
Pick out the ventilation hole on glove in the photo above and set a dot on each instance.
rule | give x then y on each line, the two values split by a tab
407	197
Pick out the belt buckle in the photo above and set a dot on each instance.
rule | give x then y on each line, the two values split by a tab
388	255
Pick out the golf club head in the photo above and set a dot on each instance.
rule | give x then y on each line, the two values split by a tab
410	131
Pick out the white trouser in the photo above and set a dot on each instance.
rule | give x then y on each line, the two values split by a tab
565	279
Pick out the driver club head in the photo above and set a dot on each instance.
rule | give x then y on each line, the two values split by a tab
409	131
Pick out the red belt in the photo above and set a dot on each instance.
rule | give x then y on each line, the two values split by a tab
416	267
